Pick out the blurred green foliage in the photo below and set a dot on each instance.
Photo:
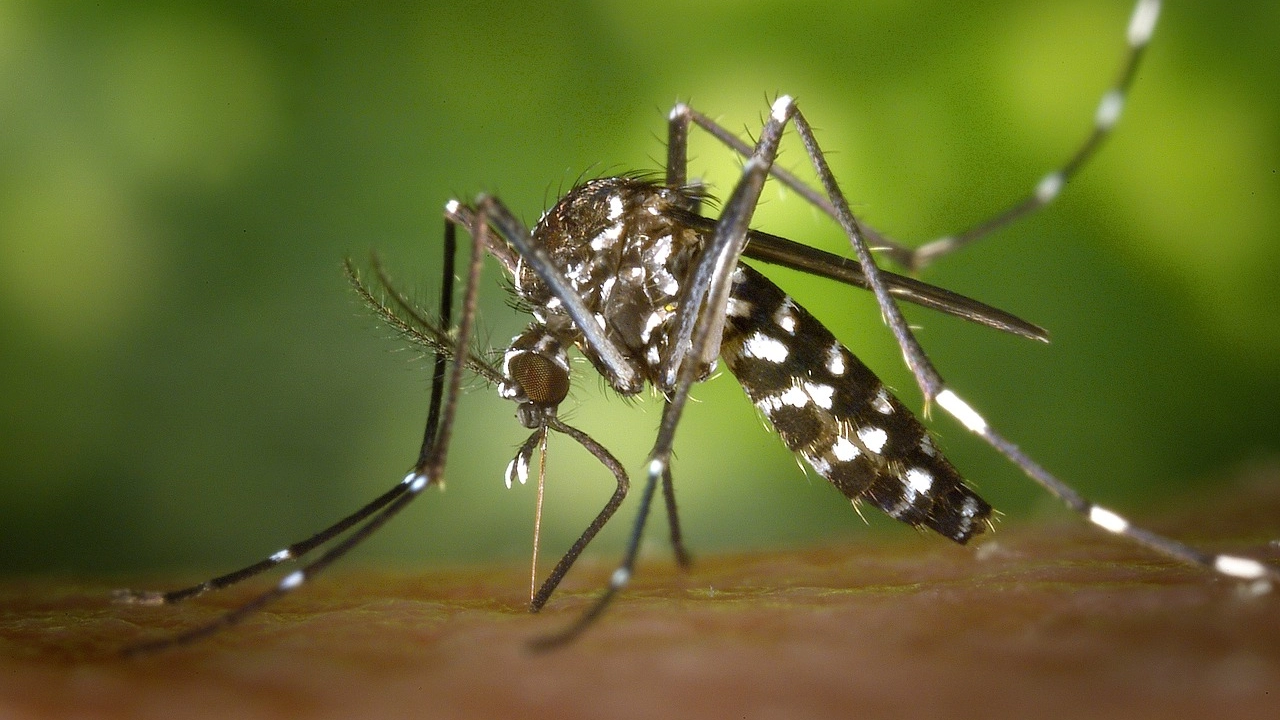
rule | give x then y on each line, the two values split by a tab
187	382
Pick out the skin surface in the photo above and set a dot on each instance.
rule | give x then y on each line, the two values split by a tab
1047	618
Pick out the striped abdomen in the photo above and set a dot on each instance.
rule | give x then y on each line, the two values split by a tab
834	412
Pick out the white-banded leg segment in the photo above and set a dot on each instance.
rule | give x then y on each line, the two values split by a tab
1233	566
1138	34
293	552
368	520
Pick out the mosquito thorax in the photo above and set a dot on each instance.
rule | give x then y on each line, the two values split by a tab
622	246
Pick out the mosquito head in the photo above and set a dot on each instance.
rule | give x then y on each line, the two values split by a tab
535	372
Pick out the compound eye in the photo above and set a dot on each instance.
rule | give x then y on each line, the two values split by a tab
543	381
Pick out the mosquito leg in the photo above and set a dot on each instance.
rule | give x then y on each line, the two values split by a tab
609	461
445	318
621	576
673	520
1140	29
1233	566
427	471
290	582
682	115
934	389
1142	25
678	145
293	552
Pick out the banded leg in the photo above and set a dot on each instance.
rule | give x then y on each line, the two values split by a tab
935	389
428	470
1138	34
299	550
1142	24
1233	566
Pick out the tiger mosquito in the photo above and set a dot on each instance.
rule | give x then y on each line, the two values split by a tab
629	272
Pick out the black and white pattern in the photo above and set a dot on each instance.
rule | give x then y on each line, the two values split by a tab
832	410
627	271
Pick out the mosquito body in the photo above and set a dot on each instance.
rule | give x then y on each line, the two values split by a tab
625	245
629	273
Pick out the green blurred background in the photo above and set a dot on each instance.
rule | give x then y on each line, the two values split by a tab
188	383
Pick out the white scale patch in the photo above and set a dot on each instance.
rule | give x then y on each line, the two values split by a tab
843	450
1107	520
785	316
655	319
795	397
961	411
1049	187
620	578
615	207
821	394
607	237
835	361
518	468
819	465
1244	568
655	468
967	511
881	402
415	480
1143	22
671	287
873	438
781	107
765	348
661	250
1109	109
919	481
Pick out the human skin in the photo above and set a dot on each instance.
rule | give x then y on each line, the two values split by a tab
1041	618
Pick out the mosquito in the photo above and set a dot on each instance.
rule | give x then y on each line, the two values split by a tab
628	272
